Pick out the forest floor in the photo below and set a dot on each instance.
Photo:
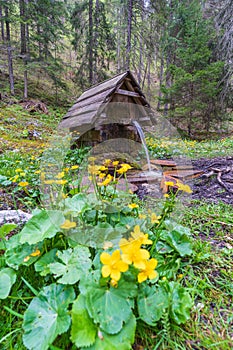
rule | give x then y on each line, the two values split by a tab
216	184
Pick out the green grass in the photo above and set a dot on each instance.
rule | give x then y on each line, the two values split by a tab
167	148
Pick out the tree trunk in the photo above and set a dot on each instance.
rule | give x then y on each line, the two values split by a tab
23	36
90	46
161	76
95	75
2	25
9	52
129	32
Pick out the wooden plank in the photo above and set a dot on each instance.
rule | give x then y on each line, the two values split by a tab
97	98
127	93
108	84
85	109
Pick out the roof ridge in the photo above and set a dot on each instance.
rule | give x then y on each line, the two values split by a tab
104	81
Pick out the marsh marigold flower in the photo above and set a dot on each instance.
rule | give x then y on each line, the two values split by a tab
148	271
133	206
154	218
184	188
67	224
115	163
139	236
106	181
74	167
133	254
124	168
23	183
113	265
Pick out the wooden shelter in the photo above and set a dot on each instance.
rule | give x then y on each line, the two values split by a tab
107	111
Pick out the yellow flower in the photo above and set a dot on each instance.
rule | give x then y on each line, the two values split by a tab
106	181
66	169
180	275
60	182
166	195
42	176
18	170
142	216
124	168
23	183
74	167
154	218
67	224
37	172
60	175
103	168
115	163
113	265
182	187
133	206
139	236
169	183
148	271
64	195
93	169
102	175
132	254
107	162
22	174
49	182
15	178
35	253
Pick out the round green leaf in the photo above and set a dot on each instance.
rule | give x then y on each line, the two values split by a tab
120	341
108	309
44	224
47	316
83	330
7	279
151	304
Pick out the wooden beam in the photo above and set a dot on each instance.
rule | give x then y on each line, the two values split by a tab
127	93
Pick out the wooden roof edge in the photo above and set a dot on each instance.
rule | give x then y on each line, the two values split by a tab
102	82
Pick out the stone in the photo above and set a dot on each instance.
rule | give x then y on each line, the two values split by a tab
14	216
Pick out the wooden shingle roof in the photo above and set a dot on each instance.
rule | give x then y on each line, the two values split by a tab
92	102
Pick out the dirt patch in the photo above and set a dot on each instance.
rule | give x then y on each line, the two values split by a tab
216	184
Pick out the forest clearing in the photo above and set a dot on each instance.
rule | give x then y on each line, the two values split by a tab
116	175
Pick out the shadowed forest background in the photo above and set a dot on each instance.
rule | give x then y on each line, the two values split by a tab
179	51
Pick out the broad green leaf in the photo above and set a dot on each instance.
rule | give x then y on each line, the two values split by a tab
42	265
7	279
83	330
44	224
120	341
75	205
75	263
179	241
6	228
163	248
181	303
89	281
108	309
172	225
151	304
19	255
47	316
